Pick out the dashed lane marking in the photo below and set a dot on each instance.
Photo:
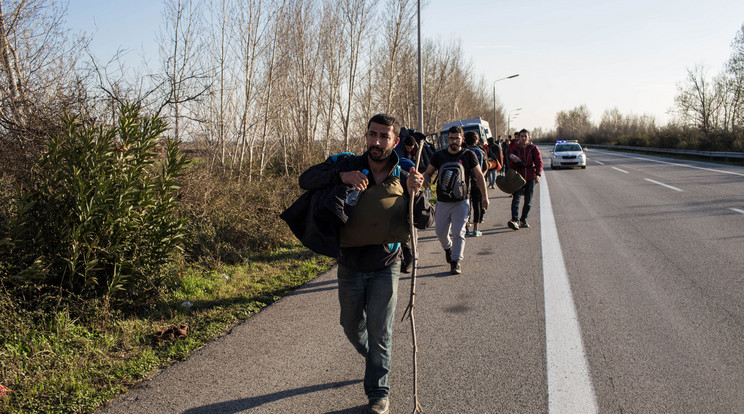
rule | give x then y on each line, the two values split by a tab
621	170
675	164
663	185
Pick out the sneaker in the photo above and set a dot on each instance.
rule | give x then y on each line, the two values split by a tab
381	406
523	223
477	233
455	268
448	255
514	225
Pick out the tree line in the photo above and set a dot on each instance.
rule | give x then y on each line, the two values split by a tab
256	85
95	194
708	114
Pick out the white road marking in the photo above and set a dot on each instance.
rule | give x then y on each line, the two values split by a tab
599	162
570	388
737	210
622	171
675	164
663	185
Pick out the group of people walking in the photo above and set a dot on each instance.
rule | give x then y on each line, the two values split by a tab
453	213
374	237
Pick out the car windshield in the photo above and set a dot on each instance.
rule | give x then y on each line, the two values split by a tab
567	147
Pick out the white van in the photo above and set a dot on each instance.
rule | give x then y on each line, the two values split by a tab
474	124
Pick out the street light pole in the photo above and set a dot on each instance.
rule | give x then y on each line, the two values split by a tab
420	88
509	117
494	95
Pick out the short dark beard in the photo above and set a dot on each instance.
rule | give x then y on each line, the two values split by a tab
385	154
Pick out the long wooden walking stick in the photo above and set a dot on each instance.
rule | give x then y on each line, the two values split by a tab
417	409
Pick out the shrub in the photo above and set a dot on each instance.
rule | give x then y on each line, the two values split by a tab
98	218
229	220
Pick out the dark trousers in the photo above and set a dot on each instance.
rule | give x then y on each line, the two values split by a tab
526	191
476	204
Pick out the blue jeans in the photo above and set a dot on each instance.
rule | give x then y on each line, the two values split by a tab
491	177
367	314
526	191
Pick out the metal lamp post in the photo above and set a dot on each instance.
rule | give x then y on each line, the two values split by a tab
509	118
494	95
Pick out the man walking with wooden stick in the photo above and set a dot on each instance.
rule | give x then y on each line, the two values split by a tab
370	256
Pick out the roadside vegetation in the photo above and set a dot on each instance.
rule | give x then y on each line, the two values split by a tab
120	255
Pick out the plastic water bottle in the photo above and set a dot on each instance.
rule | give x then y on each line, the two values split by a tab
353	197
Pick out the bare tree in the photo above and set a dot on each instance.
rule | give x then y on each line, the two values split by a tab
331	70
303	57
694	100
443	63
38	65
251	29
397	49
357	16
183	77
574	124
614	125
268	103
734	79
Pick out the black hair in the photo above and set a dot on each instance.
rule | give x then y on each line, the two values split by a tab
471	138
385	119
455	129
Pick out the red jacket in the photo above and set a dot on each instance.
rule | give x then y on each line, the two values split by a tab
530	163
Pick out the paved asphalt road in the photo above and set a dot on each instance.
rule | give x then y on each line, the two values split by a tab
656	276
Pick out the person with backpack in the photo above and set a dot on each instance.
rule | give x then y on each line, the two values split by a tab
525	158
369	260
494	156
476	198
505	154
454	166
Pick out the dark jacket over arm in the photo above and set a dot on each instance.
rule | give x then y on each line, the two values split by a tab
365	258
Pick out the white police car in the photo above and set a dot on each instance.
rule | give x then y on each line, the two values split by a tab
568	154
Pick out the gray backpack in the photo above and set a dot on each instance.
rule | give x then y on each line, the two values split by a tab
452	181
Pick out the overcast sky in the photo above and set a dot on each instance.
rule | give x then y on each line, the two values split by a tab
628	54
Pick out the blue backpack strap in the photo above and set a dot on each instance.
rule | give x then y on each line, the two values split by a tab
395	246
335	157
405	164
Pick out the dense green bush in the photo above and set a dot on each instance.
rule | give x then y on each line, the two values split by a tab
97	220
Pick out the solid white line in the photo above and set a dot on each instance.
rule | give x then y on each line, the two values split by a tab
622	171
675	164
570	388
663	185
737	210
